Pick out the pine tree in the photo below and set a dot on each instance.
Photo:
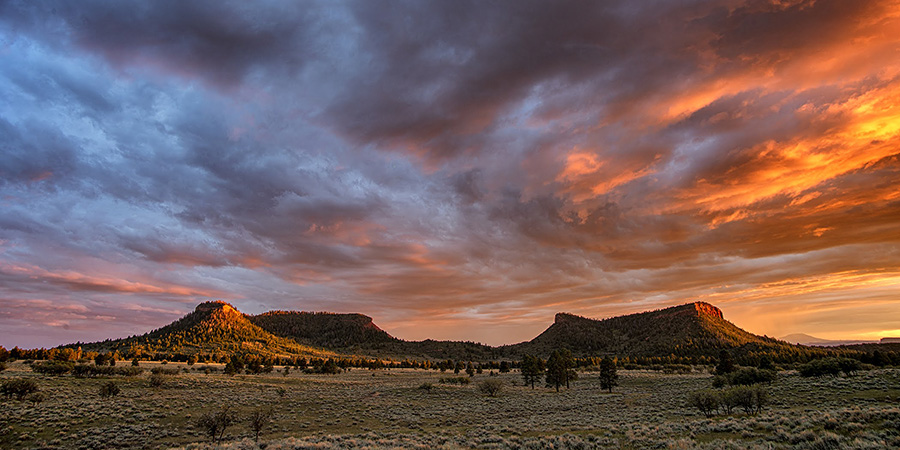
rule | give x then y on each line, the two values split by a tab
608	376
234	366
726	363
560	369
532	369
765	363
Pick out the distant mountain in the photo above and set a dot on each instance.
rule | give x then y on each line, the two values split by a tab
358	333
323	329
212	328
687	333
805	339
218	329
691	330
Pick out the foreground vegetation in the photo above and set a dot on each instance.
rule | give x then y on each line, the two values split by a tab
178	405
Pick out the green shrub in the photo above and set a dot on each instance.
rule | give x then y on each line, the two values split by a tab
821	367
54	368
129	371
82	370
707	401
748	376
109	389
85	370
849	366
491	388
745	376
328	367
750	399
157	380
18	388
677	368
455	380
104	359
730	398
720	381
165	371
766	363
35	398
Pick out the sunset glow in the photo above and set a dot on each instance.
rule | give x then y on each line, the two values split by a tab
455	170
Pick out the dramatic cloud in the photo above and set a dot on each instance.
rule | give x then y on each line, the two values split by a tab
454	169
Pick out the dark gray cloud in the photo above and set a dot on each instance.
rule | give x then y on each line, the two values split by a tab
220	42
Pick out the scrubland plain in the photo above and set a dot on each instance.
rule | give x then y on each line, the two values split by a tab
413	409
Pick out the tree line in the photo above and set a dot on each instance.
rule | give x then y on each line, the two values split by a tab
74	353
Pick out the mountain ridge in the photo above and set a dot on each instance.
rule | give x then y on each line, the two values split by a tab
806	339
323	329
688	333
216	328
690	330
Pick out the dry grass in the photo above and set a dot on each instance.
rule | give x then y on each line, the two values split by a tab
386	409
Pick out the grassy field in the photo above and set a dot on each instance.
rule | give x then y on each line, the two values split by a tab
390	409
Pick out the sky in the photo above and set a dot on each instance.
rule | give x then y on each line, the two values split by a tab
454	169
